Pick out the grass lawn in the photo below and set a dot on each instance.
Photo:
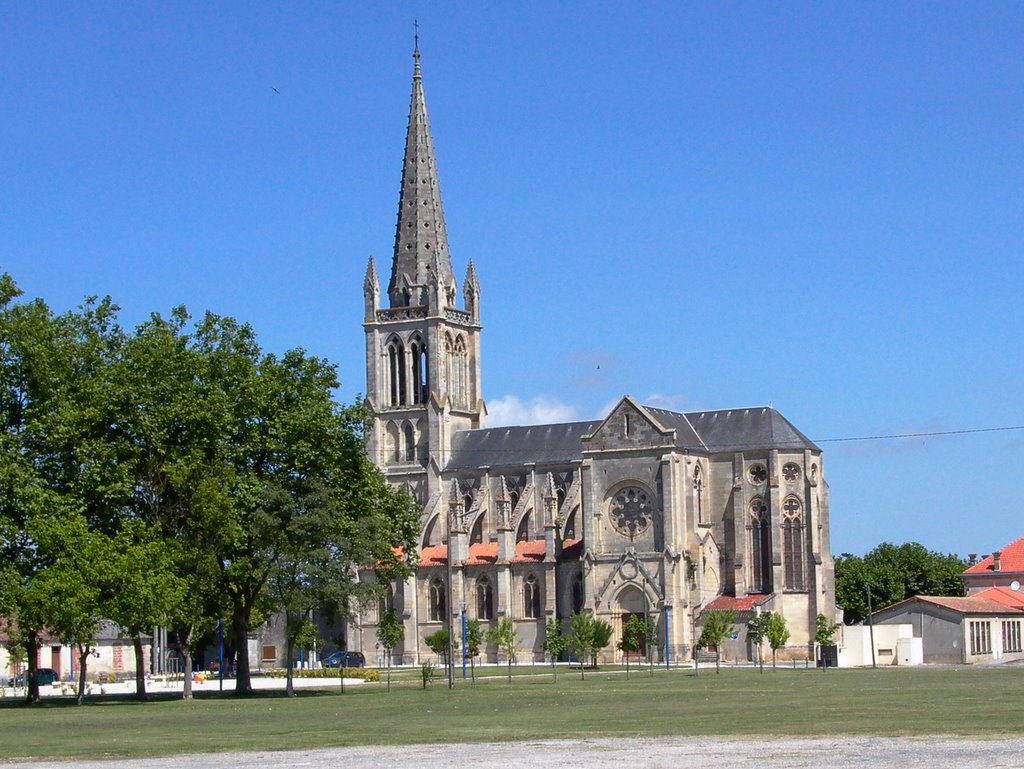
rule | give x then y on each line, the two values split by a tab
965	701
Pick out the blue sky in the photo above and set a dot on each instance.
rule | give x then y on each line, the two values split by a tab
814	205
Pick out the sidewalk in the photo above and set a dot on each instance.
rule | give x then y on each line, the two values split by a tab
165	685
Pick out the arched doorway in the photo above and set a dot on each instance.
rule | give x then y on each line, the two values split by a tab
632	603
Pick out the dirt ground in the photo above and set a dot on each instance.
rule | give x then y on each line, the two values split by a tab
651	753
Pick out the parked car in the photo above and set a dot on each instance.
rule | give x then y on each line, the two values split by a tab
43	676
341	659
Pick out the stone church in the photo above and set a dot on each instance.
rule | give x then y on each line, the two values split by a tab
646	511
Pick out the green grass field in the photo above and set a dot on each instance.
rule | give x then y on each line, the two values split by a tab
982	702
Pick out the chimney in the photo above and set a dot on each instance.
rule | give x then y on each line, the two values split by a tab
972	558
997	561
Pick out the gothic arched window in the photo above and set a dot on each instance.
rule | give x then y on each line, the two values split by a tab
577	593
531	597
437	600
418	351
760	546
461	373
410	444
523	534
385	603
792	544
698	494
396	372
484	599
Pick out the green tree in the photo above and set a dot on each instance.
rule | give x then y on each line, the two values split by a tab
587	636
894	573
437	642
555	643
503	635
475	638
757	630
632	641
143	590
603	633
650	634
173	418
717	625
58	463
287	445
777	633
824	635
390	632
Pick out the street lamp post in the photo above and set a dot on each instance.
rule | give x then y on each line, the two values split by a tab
220	658
463	606
668	608
871	628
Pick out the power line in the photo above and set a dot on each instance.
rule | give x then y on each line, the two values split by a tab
931	434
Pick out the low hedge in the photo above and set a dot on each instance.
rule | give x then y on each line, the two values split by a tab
367	674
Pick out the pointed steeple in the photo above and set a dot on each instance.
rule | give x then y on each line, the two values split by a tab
371	290
421	241
471	293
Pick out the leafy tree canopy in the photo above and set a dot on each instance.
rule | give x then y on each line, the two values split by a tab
894	573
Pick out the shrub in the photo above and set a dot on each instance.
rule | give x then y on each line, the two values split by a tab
370	675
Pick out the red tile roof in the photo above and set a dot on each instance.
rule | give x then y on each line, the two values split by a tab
530	552
970	605
1012	557
572	550
483	553
732	603
1003	595
435	555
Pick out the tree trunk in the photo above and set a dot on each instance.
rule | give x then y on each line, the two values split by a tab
773	658
140	672
626	655
289	649
718	660
240	628
185	647
83	660
31	680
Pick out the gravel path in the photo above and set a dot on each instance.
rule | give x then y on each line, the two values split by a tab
650	753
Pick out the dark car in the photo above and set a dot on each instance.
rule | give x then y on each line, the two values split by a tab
44	676
344	660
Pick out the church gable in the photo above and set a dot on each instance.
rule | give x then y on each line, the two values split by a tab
629	426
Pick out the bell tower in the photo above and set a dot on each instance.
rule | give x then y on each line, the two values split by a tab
422	351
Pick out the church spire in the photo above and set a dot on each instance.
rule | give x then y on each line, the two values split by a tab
421	241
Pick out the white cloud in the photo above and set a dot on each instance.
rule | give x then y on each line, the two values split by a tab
540	410
667	402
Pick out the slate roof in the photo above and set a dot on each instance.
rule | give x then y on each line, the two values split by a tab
517	446
1012	557
742	429
727	430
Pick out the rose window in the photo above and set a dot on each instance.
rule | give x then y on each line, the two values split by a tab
790	472
758	474
631	511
